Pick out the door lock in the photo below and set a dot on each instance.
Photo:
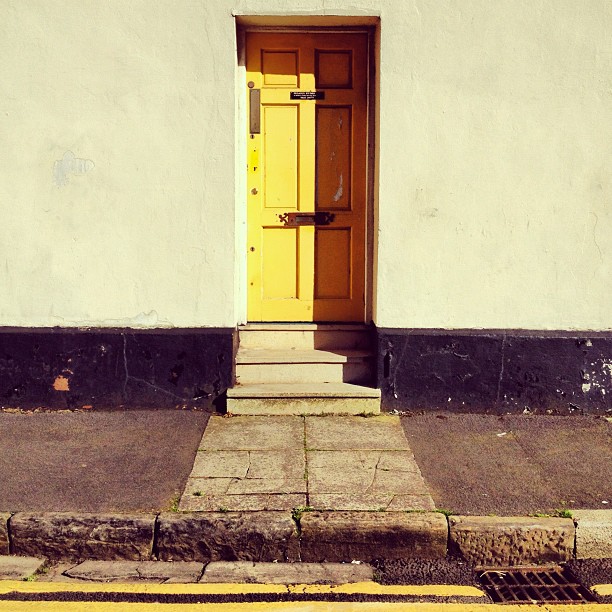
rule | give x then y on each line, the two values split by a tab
295	219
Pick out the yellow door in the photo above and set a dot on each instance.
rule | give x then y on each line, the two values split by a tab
307	176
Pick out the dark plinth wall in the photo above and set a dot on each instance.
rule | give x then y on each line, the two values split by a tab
118	368
475	371
495	371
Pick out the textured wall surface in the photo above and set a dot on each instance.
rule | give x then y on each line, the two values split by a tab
495	371
121	189
115	368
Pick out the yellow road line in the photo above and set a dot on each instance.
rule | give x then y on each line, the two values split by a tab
9	586
54	606
368	588
603	589
373	588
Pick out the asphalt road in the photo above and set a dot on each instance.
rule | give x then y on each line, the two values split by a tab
137	460
513	464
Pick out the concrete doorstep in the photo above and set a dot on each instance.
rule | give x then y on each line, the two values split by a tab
316	536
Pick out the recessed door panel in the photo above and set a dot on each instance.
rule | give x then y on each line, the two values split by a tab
333	263
280	256
333	169
280	146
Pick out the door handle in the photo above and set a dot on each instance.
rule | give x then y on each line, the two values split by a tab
254	111
295	219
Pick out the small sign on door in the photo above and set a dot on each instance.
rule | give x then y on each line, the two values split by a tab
307	95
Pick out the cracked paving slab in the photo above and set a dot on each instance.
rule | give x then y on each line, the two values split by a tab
355	433
253	433
239	503
279	463
364	472
371	502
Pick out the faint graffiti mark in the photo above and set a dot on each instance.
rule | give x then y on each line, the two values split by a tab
69	164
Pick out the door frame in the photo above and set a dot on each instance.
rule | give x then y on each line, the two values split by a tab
302	25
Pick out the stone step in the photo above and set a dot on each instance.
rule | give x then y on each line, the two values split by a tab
277	356
303	398
302	366
304	336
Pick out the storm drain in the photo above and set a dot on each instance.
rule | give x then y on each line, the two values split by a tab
533	584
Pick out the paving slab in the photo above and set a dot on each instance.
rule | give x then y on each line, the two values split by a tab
287	573
228	476
253	433
371	502
355	433
366	480
363	536
593	534
246	480
241	503
502	541
253	464
19	568
137	571
363	472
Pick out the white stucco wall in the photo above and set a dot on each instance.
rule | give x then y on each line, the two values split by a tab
496	165
144	91
495	128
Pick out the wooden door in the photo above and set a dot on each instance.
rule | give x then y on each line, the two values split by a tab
307	176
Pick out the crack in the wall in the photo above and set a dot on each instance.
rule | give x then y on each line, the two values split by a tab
129	377
396	369
501	369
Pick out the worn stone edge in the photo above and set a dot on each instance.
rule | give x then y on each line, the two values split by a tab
592	524
452	520
506	525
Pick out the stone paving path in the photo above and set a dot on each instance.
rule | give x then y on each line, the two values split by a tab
328	463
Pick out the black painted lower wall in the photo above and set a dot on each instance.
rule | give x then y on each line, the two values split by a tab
473	371
114	369
495	371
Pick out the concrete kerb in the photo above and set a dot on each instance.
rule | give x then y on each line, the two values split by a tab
314	536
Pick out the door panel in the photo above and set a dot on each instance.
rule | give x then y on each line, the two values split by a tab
333	281
307	154
333	158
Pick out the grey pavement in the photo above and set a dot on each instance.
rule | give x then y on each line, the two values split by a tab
142	461
132	461
513	464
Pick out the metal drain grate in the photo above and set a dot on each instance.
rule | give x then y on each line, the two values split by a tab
533	584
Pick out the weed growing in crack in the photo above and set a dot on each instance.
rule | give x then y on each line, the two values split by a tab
296	513
174	502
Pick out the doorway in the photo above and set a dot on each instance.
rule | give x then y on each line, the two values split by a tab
307	176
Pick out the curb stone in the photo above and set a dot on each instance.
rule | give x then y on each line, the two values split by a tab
71	535
227	536
330	536
4	533
593	534
363	536
511	540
